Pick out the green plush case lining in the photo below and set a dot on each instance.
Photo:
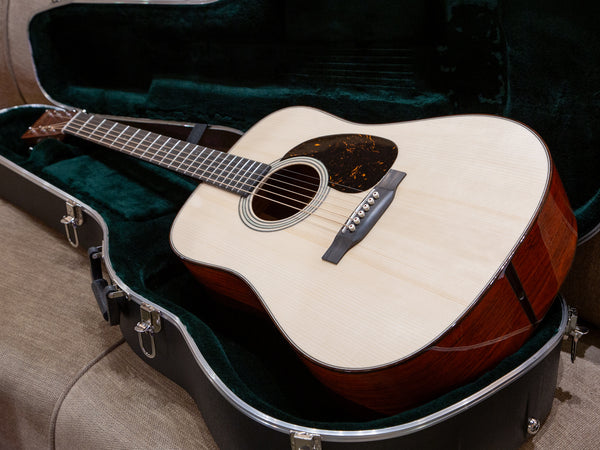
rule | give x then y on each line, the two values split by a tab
234	61
139	201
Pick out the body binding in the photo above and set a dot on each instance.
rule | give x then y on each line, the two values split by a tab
491	324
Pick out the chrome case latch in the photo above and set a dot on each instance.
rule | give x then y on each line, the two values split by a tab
72	220
574	331
301	440
149	324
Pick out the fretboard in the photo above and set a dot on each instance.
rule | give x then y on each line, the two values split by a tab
229	172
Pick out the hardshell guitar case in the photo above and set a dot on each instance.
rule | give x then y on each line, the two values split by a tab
231	62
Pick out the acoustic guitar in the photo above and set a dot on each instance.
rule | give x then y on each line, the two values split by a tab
398	260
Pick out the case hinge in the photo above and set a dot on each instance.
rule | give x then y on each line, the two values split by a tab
301	440
149	324
72	220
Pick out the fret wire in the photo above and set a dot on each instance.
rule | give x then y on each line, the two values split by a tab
92	123
131	137
164	153
138	144
233	170
72	119
252	173
176	156
222	169
216	180
219	160
174	159
195	148
132	151
223	178
225	168
206	169
91	133
200	152
224	157
239	174
244	173
123	131
160	148
150	146
98	126
86	122
106	134
159	151
213	171
220	179
164	157
168	159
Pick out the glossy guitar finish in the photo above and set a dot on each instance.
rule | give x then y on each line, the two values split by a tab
421	305
456	263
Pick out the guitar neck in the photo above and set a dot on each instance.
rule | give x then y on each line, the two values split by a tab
229	172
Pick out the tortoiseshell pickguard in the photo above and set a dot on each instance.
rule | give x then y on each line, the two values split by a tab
355	162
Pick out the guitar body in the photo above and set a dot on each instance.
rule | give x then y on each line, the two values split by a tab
451	278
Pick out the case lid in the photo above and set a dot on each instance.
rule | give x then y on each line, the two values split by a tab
232	62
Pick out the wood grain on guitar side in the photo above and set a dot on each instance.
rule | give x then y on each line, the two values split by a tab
474	186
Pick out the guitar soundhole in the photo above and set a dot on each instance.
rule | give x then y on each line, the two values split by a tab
293	190
286	192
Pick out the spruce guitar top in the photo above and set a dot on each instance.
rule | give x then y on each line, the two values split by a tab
399	260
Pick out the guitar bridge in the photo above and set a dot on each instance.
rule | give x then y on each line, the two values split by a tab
364	217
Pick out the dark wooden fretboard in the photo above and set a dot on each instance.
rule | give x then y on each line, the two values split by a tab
230	172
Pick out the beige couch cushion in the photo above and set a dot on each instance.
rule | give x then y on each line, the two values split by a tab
121	403
64	373
67	380
50	330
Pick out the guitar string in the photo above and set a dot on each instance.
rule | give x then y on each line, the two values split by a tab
342	215
286	170
167	159
433	348
100	135
321	217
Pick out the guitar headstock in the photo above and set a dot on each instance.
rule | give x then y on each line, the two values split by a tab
49	125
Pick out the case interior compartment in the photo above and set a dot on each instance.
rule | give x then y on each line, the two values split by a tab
232	62
138	201
236	61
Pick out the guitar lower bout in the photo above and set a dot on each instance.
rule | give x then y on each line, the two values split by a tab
481	194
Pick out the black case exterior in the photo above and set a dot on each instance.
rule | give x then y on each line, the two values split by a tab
496	417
